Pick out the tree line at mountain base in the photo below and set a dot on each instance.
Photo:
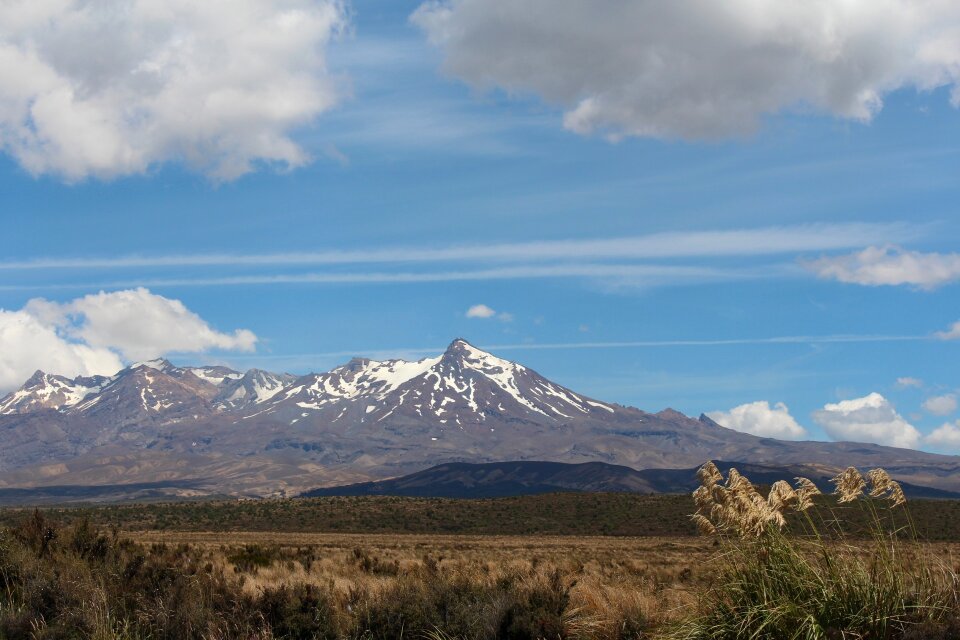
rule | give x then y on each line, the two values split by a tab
581	514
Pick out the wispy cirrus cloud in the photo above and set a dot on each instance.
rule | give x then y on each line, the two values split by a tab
610	264
762	241
613	276
399	352
907	382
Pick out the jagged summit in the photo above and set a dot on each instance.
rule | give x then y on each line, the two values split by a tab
460	349
48	391
458	345
38	377
160	364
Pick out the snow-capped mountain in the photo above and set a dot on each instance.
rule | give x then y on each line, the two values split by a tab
146	393
151	391
214	430
464	386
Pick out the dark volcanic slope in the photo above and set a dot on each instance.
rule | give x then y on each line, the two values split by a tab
497	479
219	431
501	479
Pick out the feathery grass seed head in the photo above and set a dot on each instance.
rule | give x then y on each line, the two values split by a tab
805	491
896	494
879	482
849	485
709	475
781	496
704	526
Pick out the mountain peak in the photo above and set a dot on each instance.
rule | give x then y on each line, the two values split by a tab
356	364
460	349
47	391
671	414
459	344
38	377
160	364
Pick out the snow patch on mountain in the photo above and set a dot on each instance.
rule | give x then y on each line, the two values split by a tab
357	379
46	391
215	375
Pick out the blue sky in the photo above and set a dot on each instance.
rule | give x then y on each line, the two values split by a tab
674	269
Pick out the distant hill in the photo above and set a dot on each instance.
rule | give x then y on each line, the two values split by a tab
518	478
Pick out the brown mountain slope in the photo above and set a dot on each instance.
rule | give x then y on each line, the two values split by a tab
369	420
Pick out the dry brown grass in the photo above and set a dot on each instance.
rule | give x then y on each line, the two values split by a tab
614	579
206	584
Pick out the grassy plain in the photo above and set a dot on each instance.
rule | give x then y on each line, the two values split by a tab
577	566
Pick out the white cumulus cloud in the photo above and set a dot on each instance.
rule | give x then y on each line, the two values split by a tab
697	68
480	311
941	405
138	324
890	266
484	312
945	437
760	419
96	333
115	87
868	419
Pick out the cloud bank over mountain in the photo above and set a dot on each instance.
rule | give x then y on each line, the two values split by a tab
94	334
871	418
760	419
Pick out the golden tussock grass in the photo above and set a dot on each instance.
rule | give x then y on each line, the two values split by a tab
777	564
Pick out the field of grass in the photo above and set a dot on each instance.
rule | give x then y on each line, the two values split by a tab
563	566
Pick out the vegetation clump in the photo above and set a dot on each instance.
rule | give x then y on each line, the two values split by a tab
819	584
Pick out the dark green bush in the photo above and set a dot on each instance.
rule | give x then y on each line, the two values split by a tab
539	611
299	612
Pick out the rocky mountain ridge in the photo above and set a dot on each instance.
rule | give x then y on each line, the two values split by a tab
212	430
